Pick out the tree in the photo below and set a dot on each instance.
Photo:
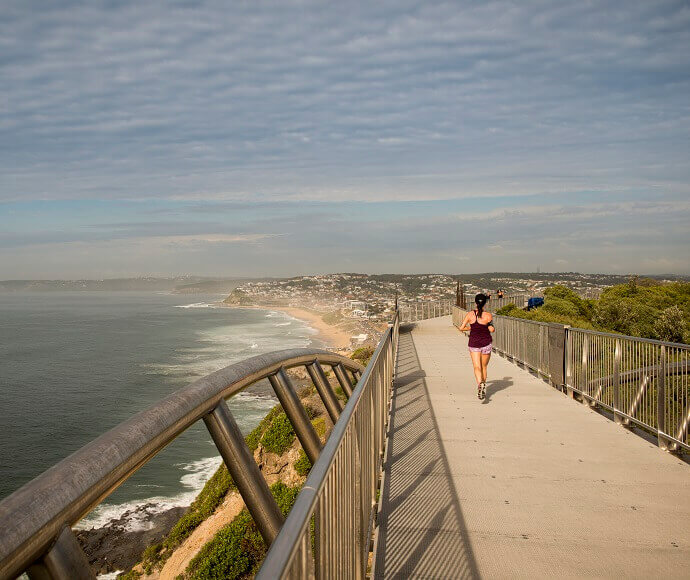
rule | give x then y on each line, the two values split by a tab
670	326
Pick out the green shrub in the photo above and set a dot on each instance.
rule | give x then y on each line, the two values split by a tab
319	426
237	550
561	307
507	310
302	465
670	326
234	552
363	355
559	292
285	496
642	307
627	316
279	436
215	490
254	437
202	507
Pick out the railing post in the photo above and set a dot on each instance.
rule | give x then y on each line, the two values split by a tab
343	379
617	383
585	364
298	416
541	349
244	471
330	401
64	561
568	362
661	401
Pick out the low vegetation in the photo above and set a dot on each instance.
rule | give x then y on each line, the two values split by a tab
239	298
279	436
363	355
333	318
238	549
302	465
275	433
643	307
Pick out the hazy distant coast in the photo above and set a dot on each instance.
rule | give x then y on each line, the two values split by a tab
177	284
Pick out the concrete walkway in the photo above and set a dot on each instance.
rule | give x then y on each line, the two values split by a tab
526	484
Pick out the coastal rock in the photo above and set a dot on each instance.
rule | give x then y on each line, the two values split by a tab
119	544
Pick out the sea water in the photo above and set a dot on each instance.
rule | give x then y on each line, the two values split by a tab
73	365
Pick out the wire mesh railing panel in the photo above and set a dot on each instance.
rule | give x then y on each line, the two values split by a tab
642	381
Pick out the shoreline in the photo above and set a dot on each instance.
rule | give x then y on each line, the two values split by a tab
97	540
333	336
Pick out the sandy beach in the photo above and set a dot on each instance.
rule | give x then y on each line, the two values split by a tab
332	335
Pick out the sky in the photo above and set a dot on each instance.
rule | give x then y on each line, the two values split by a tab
296	137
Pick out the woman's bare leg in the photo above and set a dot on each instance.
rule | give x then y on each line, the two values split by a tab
485	363
477	364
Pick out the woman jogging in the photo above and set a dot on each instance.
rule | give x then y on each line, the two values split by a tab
480	325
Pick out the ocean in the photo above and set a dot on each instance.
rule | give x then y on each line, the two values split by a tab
73	365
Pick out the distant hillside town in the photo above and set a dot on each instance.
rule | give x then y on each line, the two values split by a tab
364	296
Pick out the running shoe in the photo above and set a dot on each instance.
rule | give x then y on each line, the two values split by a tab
482	391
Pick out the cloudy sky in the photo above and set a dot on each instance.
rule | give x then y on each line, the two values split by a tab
279	138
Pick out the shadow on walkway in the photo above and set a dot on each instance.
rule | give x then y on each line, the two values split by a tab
493	387
422	531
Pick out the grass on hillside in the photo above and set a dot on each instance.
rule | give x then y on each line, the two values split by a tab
238	549
272	428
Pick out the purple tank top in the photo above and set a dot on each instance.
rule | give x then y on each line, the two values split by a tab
479	334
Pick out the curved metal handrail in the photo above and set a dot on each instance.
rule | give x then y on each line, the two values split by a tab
32	518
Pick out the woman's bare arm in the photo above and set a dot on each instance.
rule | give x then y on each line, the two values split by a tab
464	326
491	322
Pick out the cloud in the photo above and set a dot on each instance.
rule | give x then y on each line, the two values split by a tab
300	100
398	135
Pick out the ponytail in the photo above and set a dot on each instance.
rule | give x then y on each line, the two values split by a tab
480	301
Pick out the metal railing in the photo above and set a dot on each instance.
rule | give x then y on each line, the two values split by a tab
329	529
641	381
530	343
424	309
36	520
494	303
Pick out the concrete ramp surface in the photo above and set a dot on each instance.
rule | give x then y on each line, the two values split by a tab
525	484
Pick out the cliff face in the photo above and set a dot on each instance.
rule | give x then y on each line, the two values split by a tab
199	537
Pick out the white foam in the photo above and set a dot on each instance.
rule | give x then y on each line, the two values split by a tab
198	473
110	575
215	348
